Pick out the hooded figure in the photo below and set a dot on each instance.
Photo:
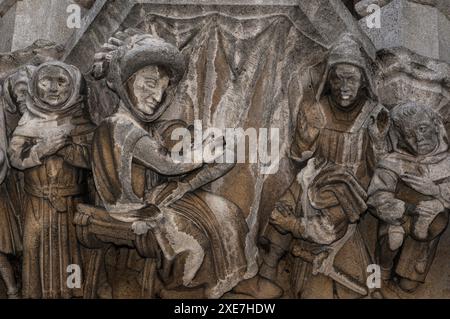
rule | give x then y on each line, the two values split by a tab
341	131
51	146
10	231
410	194
131	160
15	89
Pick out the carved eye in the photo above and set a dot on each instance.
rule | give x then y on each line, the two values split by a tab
44	83
150	83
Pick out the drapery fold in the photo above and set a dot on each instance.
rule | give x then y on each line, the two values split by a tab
242	72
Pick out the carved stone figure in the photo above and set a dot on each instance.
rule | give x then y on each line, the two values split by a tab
51	146
10	232
339	135
410	194
15	89
88	130
15	92
130	161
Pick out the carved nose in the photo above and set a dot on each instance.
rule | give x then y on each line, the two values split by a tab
159	96
53	87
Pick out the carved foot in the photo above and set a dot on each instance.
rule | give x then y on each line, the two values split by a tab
105	291
408	285
388	290
259	287
14	294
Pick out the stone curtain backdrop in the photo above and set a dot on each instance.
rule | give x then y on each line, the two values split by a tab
242	72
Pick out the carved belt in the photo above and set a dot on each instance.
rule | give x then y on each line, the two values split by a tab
56	195
54	192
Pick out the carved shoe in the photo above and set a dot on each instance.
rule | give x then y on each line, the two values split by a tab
14	295
408	285
388	290
259	287
421	265
396	237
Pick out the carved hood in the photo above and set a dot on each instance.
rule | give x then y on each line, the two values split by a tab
23	75
348	50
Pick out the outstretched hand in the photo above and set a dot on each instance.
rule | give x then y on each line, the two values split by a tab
282	216
181	189
51	145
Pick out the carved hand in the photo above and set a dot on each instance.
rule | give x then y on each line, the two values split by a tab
423	185
140	227
392	211
51	145
429	209
177	193
282	217
379	128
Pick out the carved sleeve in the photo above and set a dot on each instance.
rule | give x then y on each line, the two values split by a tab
78	152
445	194
208	174
304	142
324	228
318	226
152	154
22	153
382	202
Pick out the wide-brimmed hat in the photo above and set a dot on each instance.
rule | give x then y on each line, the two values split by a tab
138	52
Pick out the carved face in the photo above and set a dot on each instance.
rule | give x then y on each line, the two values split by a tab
54	85
421	134
146	88
20	92
345	82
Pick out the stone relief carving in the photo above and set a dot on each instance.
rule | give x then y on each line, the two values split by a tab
144	72
321	208
88	176
408	194
50	146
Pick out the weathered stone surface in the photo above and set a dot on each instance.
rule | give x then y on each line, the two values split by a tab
46	19
420	28
406	76
346	110
7	25
37	53
87	4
